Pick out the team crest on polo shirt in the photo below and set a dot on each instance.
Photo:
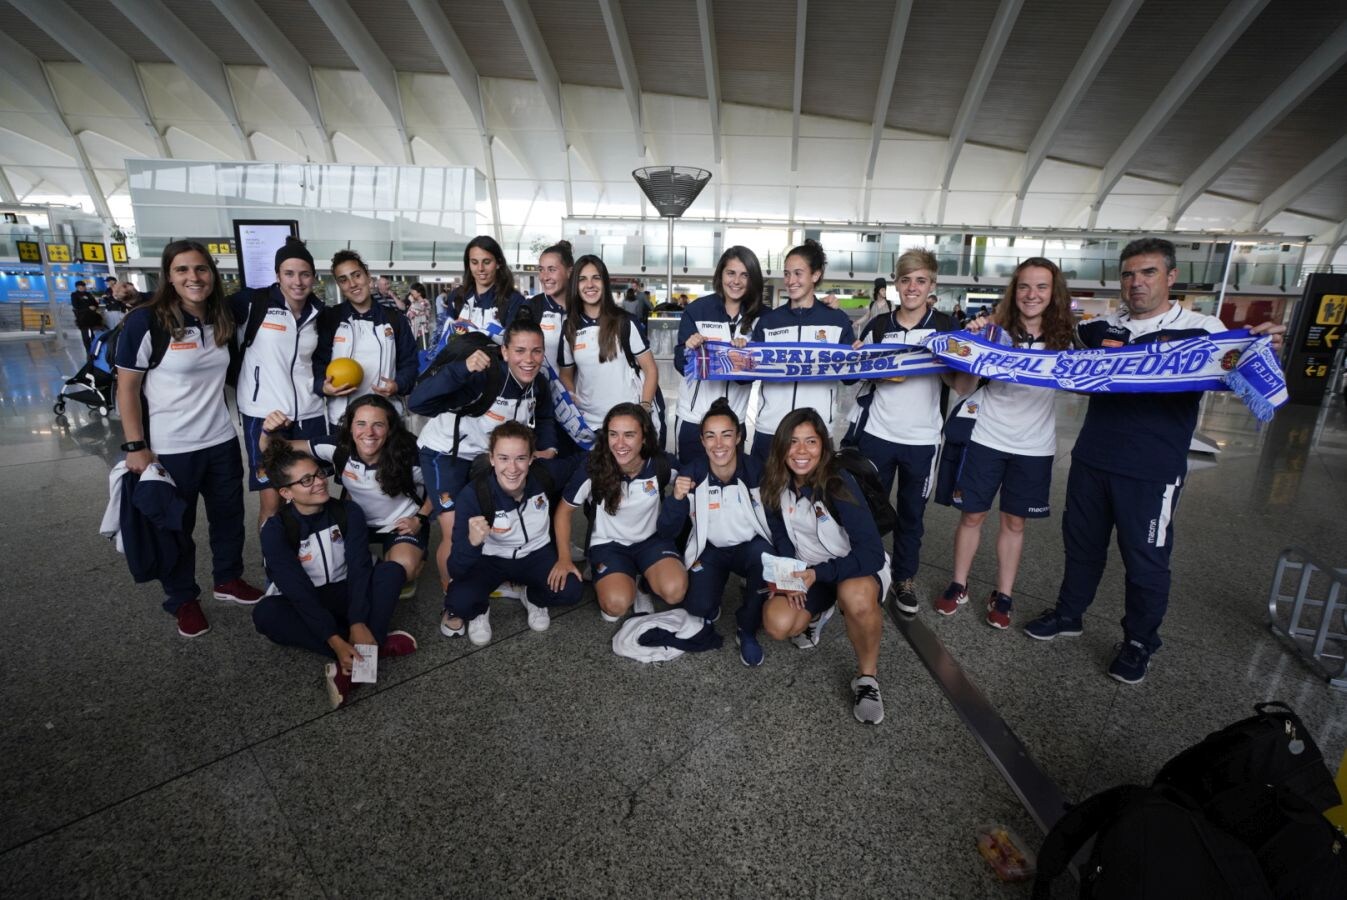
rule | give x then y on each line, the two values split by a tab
651	487
820	512
445	498
336	535
540	502
821	334
261	474
388	331
971	408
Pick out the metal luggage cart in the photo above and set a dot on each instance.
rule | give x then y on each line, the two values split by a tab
1306	609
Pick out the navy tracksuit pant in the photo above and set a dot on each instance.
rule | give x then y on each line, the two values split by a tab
470	596
274	616
214	475
911	465
710	572
1143	514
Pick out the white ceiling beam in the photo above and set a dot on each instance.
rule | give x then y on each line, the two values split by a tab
187	51
27	71
1300	182
1318	66
902	11
90	47
1237	17
1002	24
801	16
369	58
280	56
545	73
1326	59
1334	237
6	189
1097	50
707	27
45	147
454	57
616	26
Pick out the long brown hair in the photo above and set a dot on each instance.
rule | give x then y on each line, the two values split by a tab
504	286
1059	327
604	474
166	307
751	305
610	314
824	482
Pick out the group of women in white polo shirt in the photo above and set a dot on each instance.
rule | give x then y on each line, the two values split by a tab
727	507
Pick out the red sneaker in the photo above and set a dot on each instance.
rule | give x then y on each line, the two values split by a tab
998	610
238	590
398	643
191	620
338	685
948	603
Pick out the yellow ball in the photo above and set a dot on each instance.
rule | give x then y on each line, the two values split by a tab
345	373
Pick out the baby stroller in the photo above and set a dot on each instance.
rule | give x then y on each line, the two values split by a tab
95	384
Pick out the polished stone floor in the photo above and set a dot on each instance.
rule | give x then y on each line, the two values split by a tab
134	762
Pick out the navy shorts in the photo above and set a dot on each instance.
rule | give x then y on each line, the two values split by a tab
445	476
630	559
823	595
303	430
386	539
1024	482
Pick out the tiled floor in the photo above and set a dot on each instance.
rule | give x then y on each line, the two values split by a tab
135	762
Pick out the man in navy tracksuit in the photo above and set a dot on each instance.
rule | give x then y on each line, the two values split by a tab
1128	466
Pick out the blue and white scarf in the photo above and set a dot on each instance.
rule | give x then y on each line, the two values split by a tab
1232	360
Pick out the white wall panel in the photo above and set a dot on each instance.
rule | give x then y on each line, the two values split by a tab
751	159
827	203
1211	211
899	204
263	99
83	93
907	162
1134	203
984	169
836	162
176	97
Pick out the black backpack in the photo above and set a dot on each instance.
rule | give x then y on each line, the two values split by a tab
480	474
428	400
341	456
290	520
867	476
1149	843
257	314
1271	747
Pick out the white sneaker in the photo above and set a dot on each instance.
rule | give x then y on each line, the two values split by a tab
539	618
508	589
479	629
869	705
644	605
808	639
448	631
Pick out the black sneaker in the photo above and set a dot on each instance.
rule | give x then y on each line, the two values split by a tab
1049	625
904	594
1131	663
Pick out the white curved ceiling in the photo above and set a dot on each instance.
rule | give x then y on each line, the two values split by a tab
1112	113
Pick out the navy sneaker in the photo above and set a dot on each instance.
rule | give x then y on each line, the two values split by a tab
1049	625
750	651
1130	665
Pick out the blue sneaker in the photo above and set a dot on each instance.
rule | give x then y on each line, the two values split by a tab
1130	665
750	651
1049	625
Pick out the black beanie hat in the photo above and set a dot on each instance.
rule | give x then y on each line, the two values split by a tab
294	249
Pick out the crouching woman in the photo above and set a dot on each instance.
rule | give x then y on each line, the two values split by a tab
322	597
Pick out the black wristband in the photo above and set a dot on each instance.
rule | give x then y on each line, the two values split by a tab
133	446
423	517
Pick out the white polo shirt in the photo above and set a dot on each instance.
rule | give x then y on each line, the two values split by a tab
1018	418
184	394
907	411
637	513
361	483
599	386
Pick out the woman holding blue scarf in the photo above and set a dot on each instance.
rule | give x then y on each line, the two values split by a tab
1014	438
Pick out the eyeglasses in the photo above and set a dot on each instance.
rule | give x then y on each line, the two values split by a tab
307	480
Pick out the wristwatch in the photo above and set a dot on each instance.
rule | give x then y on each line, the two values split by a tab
133	446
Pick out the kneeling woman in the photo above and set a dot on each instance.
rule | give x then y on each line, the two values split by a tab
375	458
818	516
729	526
323	599
631	535
507	538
